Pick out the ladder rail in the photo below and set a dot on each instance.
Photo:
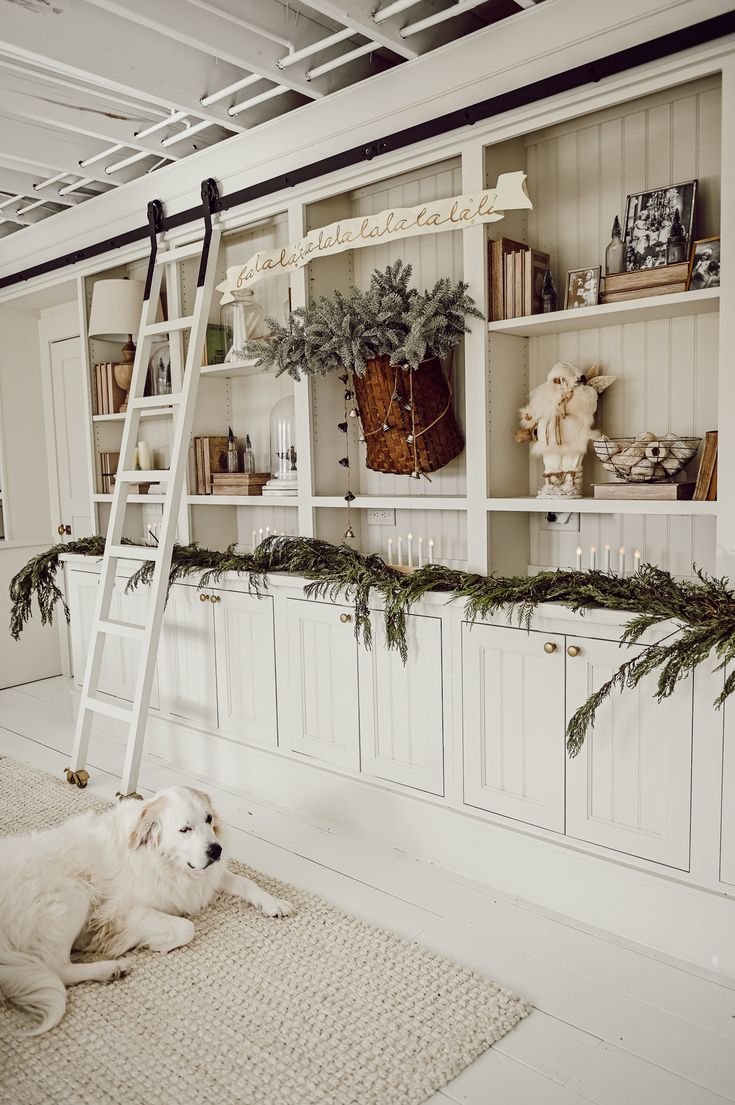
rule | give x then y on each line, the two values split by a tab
186	376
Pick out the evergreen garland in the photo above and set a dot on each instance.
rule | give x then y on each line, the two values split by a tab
388	319
702	611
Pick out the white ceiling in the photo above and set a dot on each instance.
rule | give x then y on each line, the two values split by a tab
94	93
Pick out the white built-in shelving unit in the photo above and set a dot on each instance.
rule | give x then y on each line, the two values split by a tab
481	510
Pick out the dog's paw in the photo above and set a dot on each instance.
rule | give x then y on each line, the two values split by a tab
276	907
118	968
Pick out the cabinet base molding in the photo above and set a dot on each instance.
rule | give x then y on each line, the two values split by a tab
681	920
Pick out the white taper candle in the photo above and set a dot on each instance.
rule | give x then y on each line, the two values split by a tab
390	550
593	557
421	552
621	560
607	558
255	539
409	543
400	550
579	558
636	560
431	550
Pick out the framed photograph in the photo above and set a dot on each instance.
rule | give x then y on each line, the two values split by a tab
648	218
583	287
704	267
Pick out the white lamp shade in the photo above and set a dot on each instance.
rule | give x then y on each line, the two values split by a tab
116	308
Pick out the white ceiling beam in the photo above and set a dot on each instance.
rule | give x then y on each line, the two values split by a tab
60	152
219	36
85	44
20	100
358	14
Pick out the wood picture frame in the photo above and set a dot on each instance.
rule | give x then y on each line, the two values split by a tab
704	269
582	287
648	216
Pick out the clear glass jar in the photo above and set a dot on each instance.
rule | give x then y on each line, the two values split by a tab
243	319
283	443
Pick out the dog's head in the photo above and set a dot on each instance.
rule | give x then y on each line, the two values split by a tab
182	825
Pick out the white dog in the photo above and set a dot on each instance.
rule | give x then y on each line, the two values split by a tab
105	883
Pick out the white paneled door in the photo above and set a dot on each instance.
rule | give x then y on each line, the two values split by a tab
630	786
246	666
401	718
186	657
323	687
513	723
70	429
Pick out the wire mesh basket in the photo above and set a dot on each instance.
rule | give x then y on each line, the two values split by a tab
646	458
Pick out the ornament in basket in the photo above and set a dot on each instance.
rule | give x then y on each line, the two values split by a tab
393	342
645	458
558	421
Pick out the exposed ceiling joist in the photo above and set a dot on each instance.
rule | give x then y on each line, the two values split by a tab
358	14
218	35
86	44
57	151
19	183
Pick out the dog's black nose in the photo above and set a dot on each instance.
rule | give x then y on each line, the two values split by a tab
214	851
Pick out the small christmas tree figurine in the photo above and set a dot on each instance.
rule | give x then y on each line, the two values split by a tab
676	245
548	292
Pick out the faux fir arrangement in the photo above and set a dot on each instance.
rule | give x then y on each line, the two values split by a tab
388	319
698	616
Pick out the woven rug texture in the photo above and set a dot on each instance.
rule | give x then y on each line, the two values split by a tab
316	1009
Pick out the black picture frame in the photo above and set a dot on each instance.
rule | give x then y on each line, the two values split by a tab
648	216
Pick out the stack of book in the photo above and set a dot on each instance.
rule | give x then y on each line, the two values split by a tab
239	483
108	470
210	457
660	280
706	485
516	279
108	395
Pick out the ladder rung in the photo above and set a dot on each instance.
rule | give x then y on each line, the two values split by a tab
179	253
144	475
155	401
168	327
109	709
134	552
121	629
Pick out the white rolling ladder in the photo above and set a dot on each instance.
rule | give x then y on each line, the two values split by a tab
180	405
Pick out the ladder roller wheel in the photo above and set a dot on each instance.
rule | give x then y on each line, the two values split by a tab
124	797
77	778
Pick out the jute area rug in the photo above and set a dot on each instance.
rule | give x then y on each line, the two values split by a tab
316	1009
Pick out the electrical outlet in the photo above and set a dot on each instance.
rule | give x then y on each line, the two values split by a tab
381	517
560	520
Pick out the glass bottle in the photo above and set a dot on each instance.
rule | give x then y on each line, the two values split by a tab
676	245
548	293
615	252
248	456
242	320
232	457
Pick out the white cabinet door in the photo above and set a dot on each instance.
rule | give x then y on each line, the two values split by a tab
401	719
246	672
71	429
630	786
323	691
513	723
727	844
186	657
120	656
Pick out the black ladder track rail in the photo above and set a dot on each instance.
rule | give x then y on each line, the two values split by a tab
590	72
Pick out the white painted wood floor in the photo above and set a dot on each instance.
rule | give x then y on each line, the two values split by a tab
613	1024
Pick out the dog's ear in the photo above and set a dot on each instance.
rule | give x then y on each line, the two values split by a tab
147	828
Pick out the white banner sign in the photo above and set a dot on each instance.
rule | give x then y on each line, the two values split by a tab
433	217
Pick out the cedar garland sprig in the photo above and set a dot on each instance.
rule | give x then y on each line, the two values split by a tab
700	612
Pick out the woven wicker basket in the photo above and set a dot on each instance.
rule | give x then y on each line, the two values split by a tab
429	394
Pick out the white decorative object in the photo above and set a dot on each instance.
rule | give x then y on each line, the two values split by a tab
559	420
283	450
145	456
400	551
431	217
636	560
607	559
242	318
431	550
593	557
621	561
579	558
409	544
421	552
390	550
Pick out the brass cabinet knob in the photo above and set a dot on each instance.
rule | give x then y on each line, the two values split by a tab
549	647
573	650
204	598
214	598
61	530
345	617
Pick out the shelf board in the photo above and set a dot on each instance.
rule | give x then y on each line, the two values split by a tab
611	314
394	502
231	369
602	506
143	414
131	498
241	500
